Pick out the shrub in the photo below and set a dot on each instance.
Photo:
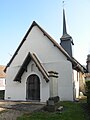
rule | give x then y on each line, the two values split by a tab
88	91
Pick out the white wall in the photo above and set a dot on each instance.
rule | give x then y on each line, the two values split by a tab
65	83
52	58
37	43
14	90
17	91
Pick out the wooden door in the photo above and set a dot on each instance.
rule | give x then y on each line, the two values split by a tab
33	87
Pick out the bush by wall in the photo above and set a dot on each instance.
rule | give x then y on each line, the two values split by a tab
88	91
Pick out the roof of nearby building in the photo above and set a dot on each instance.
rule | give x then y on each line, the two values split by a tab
87	74
74	62
2	73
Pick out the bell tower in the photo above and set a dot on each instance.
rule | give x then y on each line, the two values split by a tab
66	39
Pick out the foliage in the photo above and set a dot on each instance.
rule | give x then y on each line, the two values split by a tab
88	91
71	111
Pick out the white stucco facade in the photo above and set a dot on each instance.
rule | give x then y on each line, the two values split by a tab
17	91
65	82
51	58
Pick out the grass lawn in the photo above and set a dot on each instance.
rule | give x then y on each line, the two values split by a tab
71	111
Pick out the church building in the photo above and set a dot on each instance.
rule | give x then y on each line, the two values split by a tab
41	68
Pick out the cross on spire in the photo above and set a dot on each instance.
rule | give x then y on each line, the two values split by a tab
63	2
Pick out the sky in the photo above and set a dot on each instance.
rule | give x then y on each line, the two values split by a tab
16	16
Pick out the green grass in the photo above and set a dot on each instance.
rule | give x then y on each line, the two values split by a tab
71	111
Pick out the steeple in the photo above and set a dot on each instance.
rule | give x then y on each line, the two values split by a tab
64	23
66	39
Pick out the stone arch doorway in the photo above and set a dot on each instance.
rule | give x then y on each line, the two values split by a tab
33	87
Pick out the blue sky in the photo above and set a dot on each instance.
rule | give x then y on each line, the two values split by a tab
16	16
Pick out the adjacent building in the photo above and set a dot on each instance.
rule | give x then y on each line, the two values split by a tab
2	78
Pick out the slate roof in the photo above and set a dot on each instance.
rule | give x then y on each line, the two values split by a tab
65	36
74	62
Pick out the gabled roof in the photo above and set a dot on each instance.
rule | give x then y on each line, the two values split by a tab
2	74
49	37
25	63
46	34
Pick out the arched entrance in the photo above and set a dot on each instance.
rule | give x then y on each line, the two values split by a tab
33	87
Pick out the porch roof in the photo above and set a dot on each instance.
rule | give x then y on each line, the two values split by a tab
23	68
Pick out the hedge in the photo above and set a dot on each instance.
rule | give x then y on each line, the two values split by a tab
88	91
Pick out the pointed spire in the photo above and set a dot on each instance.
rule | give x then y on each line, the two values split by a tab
64	23
66	39
65	35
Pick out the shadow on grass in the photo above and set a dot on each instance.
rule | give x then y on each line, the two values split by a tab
86	109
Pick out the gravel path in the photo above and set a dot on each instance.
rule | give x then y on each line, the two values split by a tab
12	110
10	114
